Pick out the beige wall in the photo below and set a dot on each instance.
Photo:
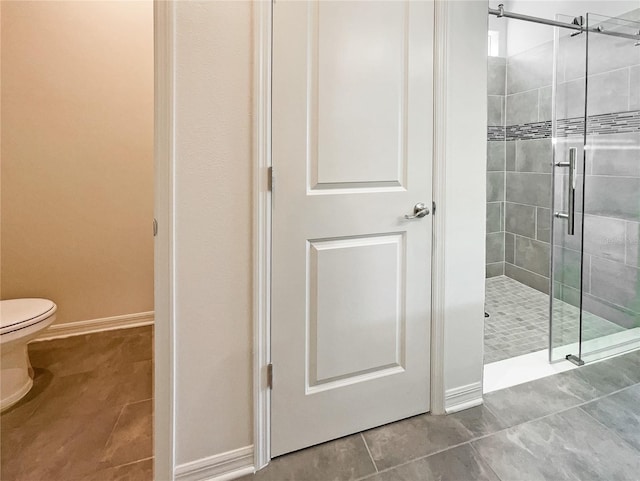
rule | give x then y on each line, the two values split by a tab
77	155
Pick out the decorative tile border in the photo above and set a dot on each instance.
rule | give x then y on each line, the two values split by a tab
613	123
496	133
536	130
618	123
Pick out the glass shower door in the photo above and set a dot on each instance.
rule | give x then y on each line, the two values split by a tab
567	131
611	288
595	302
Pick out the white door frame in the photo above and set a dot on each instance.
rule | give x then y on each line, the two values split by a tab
164	332
262	222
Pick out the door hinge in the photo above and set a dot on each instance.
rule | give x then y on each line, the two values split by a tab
155	227
433	207
270	178
270	376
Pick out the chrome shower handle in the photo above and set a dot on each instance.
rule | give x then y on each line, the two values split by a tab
571	191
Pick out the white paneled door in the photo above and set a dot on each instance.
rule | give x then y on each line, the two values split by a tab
352	154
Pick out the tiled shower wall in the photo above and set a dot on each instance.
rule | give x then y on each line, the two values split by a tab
612	221
528	166
495	168
518	170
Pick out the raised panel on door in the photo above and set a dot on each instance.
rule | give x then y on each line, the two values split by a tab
352	142
357	115
356	310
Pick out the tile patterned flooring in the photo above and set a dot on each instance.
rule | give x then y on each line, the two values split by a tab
519	322
88	416
581	425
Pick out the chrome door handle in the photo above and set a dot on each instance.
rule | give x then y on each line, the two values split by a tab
571	192
419	210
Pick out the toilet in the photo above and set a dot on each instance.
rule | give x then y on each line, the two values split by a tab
21	320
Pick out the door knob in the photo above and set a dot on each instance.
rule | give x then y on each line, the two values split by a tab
419	210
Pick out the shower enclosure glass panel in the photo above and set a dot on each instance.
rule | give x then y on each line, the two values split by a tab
595	306
566	214
611	288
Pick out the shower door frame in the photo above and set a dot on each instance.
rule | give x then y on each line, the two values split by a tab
569	216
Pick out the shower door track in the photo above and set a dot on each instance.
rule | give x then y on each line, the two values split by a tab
577	24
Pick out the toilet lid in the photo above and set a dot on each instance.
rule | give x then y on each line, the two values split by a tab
21	313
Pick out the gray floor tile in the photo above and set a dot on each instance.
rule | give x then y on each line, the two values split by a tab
522	403
458	464
610	375
479	420
621	413
341	460
565	446
413	438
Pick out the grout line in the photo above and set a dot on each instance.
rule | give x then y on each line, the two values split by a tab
138	402
132	462
590	257
626	238
114	426
539	87
369	451
527	205
485	461
530	238
629	89
529	272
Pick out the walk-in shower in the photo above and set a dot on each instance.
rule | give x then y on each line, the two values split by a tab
563	191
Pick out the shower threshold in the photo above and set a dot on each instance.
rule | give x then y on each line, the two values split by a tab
529	367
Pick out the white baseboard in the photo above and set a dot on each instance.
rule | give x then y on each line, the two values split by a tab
220	467
68	329
463	397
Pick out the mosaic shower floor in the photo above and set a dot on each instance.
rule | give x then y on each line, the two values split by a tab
519	320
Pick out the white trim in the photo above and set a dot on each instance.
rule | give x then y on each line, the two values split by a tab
439	216
164	263
518	370
78	328
261	232
219	467
463	397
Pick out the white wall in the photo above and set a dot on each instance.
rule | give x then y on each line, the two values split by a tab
213	67
523	35
465	194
